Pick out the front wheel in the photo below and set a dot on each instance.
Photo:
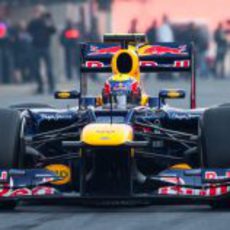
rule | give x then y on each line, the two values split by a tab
11	145
215	137
215	144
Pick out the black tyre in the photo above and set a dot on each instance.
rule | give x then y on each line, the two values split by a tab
8	205
11	148
215	137
220	205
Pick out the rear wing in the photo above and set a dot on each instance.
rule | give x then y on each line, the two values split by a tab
96	57
158	57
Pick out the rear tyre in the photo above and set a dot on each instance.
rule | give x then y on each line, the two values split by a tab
215	137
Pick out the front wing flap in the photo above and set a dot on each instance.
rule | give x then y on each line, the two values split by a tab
177	185
17	183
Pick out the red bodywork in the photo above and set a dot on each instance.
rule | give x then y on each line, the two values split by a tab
161	50
109	50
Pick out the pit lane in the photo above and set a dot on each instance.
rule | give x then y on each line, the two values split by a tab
34	216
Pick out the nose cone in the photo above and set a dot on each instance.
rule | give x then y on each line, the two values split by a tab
106	134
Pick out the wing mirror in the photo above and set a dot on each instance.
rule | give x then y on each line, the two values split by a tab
170	94
67	94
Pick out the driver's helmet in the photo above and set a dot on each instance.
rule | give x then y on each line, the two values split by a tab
123	90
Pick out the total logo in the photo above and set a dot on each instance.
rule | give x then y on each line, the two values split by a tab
61	171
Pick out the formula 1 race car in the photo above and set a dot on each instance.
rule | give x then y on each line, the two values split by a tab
120	146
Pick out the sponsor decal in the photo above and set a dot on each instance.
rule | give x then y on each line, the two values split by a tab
37	191
5	191
3	176
161	50
21	192
148	64
182	115
210	191
43	190
94	64
178	190
61	171
95	50
56	116
173	180
210	175
105	131
184	64
104	138
116	85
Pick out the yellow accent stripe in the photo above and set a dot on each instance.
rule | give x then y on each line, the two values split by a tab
181	166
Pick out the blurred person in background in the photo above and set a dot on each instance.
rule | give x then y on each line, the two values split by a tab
22	51
202	47
6	52
192	35
70	41
41	29
165	34
201	41
221	50
165	31
94	30
133	26
93	35
82	24
152	32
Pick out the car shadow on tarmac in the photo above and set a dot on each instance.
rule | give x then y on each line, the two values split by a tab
84	209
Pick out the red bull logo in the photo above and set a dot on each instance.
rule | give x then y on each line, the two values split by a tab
108	50
161	50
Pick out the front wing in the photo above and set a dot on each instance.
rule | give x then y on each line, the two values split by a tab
193	186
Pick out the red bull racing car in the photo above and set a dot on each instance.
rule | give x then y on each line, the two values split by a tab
122	145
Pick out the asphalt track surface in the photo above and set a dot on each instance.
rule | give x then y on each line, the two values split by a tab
35	216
